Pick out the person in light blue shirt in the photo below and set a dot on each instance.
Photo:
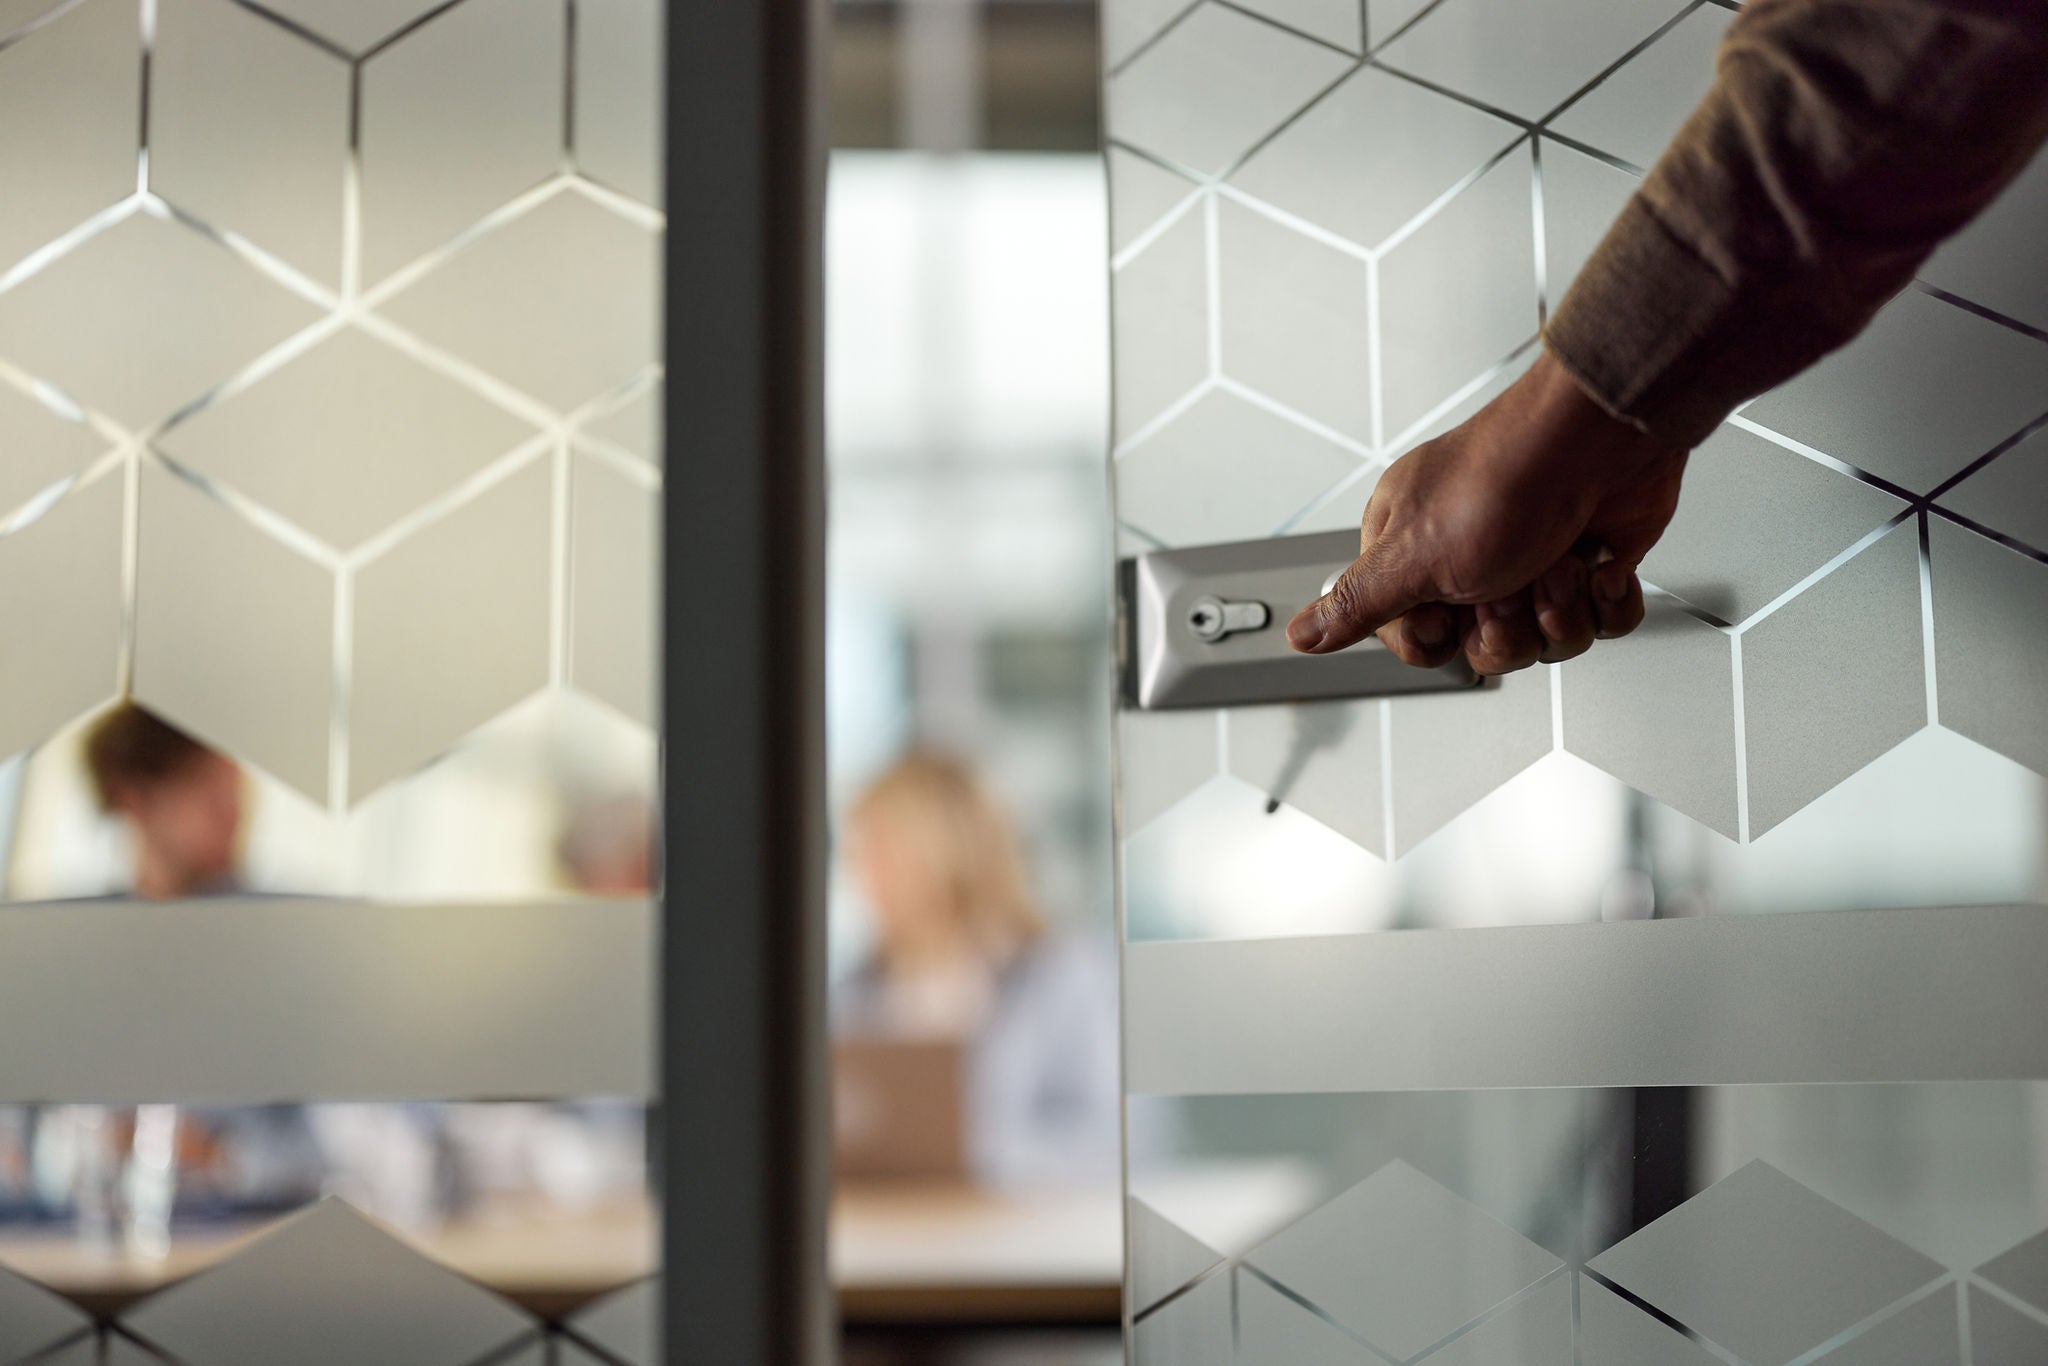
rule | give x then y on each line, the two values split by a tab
963	952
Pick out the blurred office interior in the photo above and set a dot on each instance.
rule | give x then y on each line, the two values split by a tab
967	361
969	644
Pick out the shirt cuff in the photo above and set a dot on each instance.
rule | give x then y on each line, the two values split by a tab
1645	331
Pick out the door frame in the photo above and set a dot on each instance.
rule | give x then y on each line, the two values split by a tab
743	1140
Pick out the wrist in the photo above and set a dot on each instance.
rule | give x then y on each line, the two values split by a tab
1565	418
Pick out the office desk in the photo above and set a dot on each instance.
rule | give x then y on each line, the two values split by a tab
900	1254
949	1254
552	1265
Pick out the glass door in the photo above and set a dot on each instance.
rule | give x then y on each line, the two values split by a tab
1678	1004
331	470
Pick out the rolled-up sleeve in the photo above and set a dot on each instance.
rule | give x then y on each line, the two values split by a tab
1842	141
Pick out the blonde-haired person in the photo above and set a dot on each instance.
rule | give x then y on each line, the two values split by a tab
962	951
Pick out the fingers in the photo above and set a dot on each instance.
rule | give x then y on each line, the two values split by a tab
1426	636
1564	610
1375	590
1504	635
1617	599
1555	619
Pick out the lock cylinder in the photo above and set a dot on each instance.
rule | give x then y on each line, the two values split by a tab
1199	629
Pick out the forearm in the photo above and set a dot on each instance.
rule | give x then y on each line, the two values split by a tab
1842	142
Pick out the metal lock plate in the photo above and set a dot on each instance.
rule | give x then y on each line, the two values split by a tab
1207	627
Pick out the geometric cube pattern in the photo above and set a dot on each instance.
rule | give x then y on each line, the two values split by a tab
340	318
1165	1259
622	1325
1722	1262
32	1319
1321	758
1328	246
1191	1329
324	1287
299	1293
1400	1263
1756	1270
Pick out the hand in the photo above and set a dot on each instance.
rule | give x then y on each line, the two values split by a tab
1513	540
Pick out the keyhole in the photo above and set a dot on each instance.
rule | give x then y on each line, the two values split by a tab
1212	619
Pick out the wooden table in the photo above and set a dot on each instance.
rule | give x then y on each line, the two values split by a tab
949	1254
551	1264
899	1254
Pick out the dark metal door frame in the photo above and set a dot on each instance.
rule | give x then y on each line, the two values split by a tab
742	1148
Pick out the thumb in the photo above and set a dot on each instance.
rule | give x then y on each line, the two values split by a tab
1376	589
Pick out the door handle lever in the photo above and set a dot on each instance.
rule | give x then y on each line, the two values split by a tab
1197	629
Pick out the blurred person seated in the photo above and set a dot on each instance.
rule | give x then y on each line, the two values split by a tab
609	847
419	1166
965	968
416	1165
181	803
571	1156
182	806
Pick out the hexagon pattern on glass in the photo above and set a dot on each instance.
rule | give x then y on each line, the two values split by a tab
1402	1268
1328	251
304	305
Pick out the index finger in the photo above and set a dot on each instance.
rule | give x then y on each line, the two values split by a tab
1377	588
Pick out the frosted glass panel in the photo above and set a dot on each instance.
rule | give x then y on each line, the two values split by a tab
1325	255
78	86
618	85
296	361
1365	268
1581	196
249	127
559	303
2009	496
1164	345
1633	114
1526	57
623	1324
1174	488
1401	1262
46	448
1868	609
146	318
1795	1226
304	1291
1372	155
451	628
1293	324
615	539
60	587
633	426
1753	525
1214	85
215	594
1925	393
1989	262
331	468
356	26
373	435
1460	292
32	1319
456	119
1270	748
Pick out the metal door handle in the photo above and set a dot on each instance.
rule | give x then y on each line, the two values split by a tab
1197	629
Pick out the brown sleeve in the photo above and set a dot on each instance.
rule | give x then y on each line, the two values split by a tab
1842	141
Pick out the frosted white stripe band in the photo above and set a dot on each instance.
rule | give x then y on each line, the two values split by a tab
263	1000
1861	996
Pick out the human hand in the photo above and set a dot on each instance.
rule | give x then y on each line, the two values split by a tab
1512	540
